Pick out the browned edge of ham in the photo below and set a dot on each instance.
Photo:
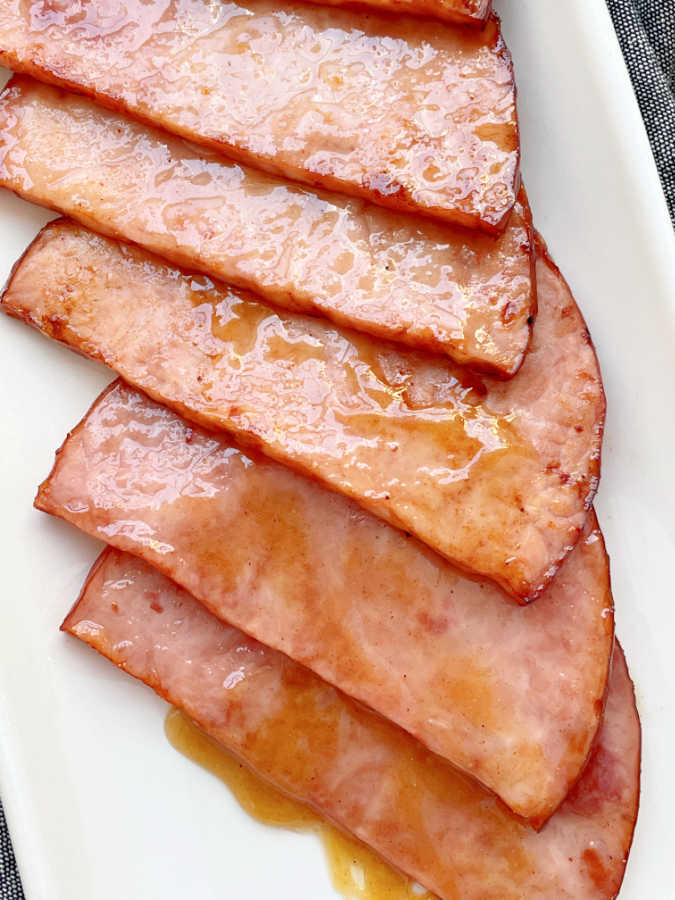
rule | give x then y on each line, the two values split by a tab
472	13
511	696
497	476
402	278
358	770
408	113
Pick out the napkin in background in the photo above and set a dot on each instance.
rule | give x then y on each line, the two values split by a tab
646	31
10	885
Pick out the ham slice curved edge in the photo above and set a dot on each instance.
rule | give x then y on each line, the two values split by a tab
511	696
496	476
363	773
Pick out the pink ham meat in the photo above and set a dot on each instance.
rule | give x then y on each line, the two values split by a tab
407	279
410	114
459	12
512	696
497	476
357	769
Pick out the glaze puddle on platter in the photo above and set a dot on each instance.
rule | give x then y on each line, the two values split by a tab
357	872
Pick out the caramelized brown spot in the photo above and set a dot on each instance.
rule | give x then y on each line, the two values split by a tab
596	868
433	624
504	137
57	326
510	313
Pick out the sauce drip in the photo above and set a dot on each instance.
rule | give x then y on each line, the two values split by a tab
356	871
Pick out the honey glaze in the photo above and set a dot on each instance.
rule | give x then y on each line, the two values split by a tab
356	871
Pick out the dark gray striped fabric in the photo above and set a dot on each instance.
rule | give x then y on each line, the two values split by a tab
646	30
10	885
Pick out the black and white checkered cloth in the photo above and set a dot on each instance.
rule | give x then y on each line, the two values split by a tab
646	30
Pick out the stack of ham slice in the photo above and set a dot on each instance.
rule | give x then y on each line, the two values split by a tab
414	281
346	476
365	774
413	115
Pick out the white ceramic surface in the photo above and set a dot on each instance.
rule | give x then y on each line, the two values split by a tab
100	806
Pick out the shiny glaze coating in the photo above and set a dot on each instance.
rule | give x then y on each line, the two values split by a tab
458	12
403	278
409	113
356	871
497	476
512	696
359	770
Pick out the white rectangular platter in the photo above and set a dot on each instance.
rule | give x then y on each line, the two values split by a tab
100	806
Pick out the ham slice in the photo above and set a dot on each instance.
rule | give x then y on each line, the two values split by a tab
459	12
407	113
512	696
357	769
407	279
497	476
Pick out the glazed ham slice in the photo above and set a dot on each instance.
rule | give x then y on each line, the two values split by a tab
512	696
497	476
407	113
407	279
357	769
459	12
